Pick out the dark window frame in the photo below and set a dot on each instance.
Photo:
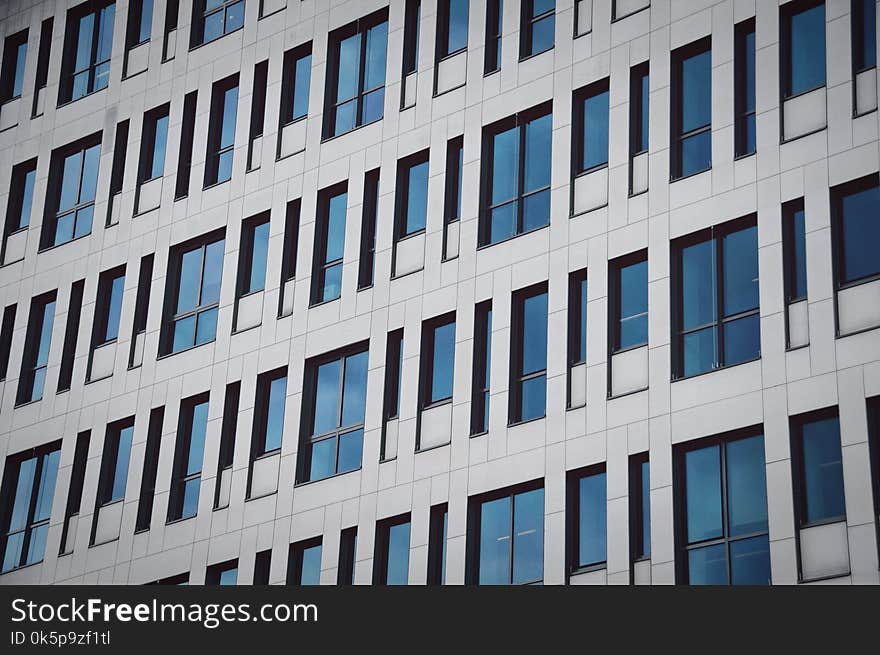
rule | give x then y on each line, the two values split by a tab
262	400
438	524
677	136
442	35
146	162
786	12
75	488
347	557
838	254
30	358
573	479
71	38
637	105
147	492
411	27
16	202
743	115
134	23
296	551
615	296
579	99
482	368
320	265
527	24
798	469
517	335
215	148
109	463
228	433
71	334
214	572
288	85
494	32
402	194
182	447
392	384
637	502
789	210
381	551
369	220
12	51
426	361
201	14
244	283
453	187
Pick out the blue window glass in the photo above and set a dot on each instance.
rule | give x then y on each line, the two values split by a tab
275	413
120	465
301	81
646	509
114	307
228	577
259	242
20	204
795	252
144	20
216	18
27	198
482	367
494	11
594	118
578	317
441	346
639	98
188	456
194	320
538	27
310	565
354	389
415	186
12	71
823	495
746	486
89	35
632	305
534	349
156	136
708	565
35	358
453	26
511	539
397	568
692	118
744	65
864	22
803	49
592	519
329	247
76	189
530	355
703	474
495	542
327	397
858	231
536	178
750	561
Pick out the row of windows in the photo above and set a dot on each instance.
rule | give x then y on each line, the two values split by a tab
720	488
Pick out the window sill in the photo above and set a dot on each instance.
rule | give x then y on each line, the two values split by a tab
510	238
577	36
250	498
745	155
215	184
180	520
474	435
618	351
400	277
826	521
204	43
63	243
864	113
523	57
714	370
792	96
184	350
65	103
783	141
617	19
844	335
20	568
321	303
436	403
625	394
430	448
305	483
492	72
27	402
600	566
672	179
824	577
514	424
325	139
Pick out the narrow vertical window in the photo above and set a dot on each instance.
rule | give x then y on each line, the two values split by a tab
853	210
347	552
38	338
288	258
452	200
262	566
169	33
437	368
591	137
588	519
482	367
269	412
412	194
140	23
583	17
691	109
304	563
391	400
794	249
744	87
334	405
74	492
88	44
221	131
71	333
537	27
226	456
437	545
253	253
639	508
141	310
864	34
391	555
528	352
411	24
43	66
452	27
329	244
215	18
818	462
639	95
117	172
226	573
147	492
12	70
295	83
108	307
70	197
18	211
802	24
629	301
355	88
27	494
7	329
577	338
114	462
184	157
153	143
369	216
494	12
186	473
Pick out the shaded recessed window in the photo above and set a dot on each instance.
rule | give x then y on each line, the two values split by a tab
856	229
221	131
253	255
304	563
186	473
225	574
588	519
295	83
439	521
153	143
70	197
438	357
802	25
494	11
452	27
215	18
629	302
639	507
269	412
20	203
591	133
140	22
329	244
817	459
528	352
38	339
639	97
537	27
12	70
412	194
108	310
864	34
692	109
88	44
391	563
482	367
114	462
794	250
744	87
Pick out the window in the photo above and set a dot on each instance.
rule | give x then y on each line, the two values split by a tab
186	473
856	230
494	11
528	350
639	507
452	201
369	214
304	563
333	407
70	197
817	461
150	471
108	306
140	22
482	367
184	157
38	338
411	22
88	44
117	171
590	143
258	116
506	536
537	27
356	74
452	27
221	131
802	46
192	293
794	250
215	18
71	333
12	70
6	332
172	9
744	87
153	142
629	301
516	174
227	443
621	9
639	95
225	574
262	566
412	194
269	412
75	490
588	519
329	244
722	495
42	65
288	257
347	550
864	34
28	490
391	564
253	253
295	83
692	109
437	360
141	308
577	317
715	294
114	462
874	450
393	373
437	545
19	204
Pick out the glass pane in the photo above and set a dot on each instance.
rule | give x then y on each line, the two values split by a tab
542	6
351	446
190	505
228	577
114	308
398	554
89	183
230	108
539	141
417	198
696	153
708	566
697	285
39	383
861	234
634	304
234	16
579	344
197	438
823	470
70	181
145	20
696	91
528	537
83	221
505	158
212	274
748	72
161	137
120	468
534	346
336	227
536	210
746	486
213	27
46	323
27	198
206	326
646	509
37	545
645	97
595	147
311	566
534	398
349	67
542	35
374	106
275	413
374	70
22	500
807	50
592	519
495	544
323	461
750	561
260	251
797	282
345	117
740	264
301	80
458	25
190	276
503	222
184	333
354	395
867	34
84	36
327	398
12	554
703	486
332	282
742	340
442	365
105	33
64	228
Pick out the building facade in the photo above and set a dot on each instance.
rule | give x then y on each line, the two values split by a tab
439	291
